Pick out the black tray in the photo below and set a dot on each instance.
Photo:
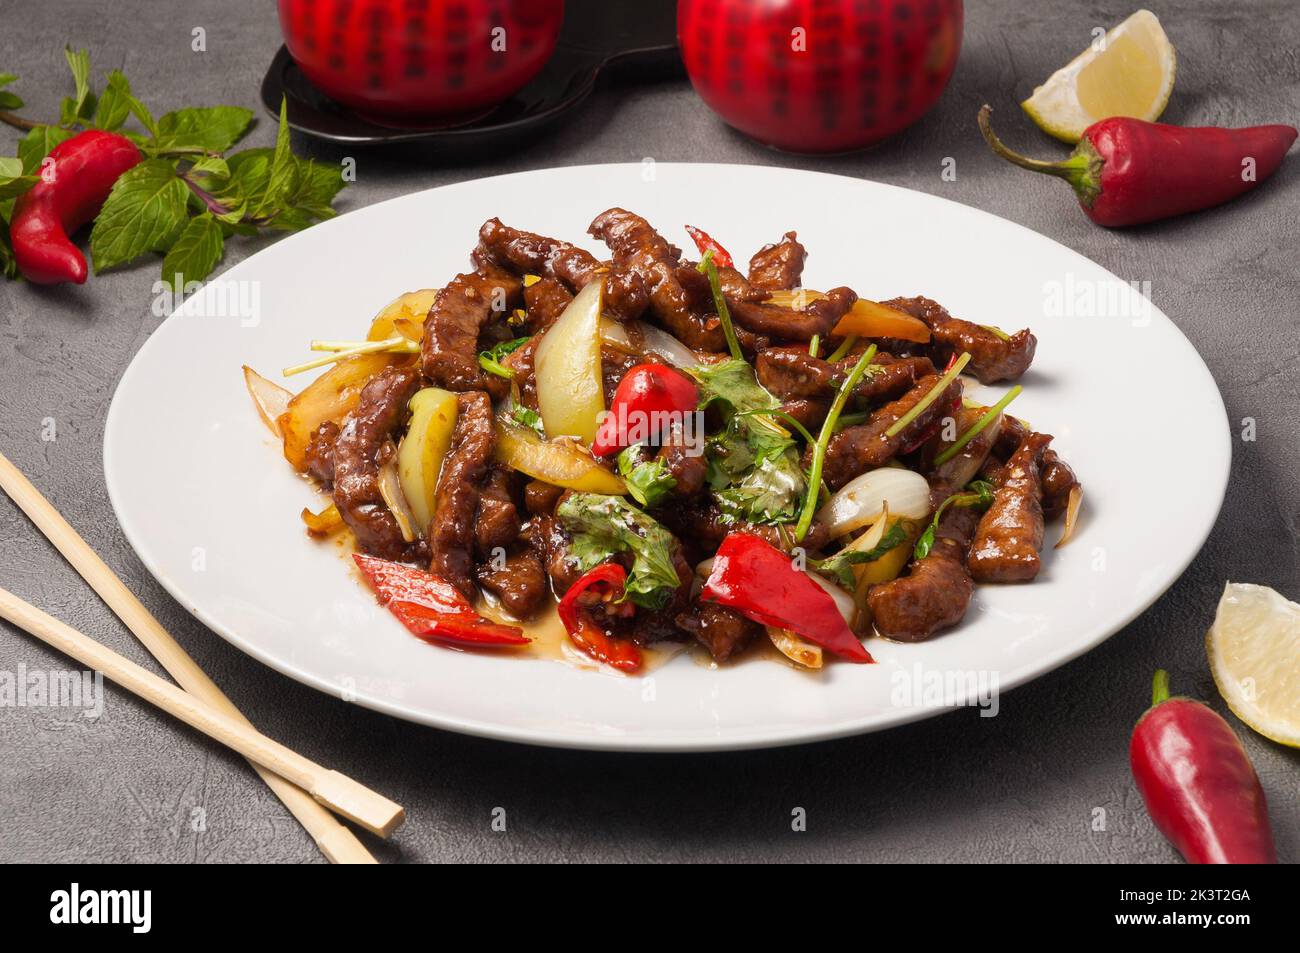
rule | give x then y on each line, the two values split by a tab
599	38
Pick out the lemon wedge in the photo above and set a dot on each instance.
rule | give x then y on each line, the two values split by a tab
1254	650
1128	73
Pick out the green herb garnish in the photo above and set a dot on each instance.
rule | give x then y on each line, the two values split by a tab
845	346
949	376
707	267
603	526
978	493
839	566
648	478
490	360
979	426
824	439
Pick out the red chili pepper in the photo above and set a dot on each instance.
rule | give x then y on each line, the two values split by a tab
70	193
760	582
1128	171
1198	783
648	398
599	585
431	607
705	243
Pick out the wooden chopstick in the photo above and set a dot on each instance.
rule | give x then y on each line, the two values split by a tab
336	791
335	840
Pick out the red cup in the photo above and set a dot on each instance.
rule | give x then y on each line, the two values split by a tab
412	60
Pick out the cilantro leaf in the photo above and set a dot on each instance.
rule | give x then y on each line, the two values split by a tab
490	360
36	145
649	481
207	129
603	526
195	253
529	418
146	211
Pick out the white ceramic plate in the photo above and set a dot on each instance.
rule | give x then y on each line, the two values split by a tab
212	508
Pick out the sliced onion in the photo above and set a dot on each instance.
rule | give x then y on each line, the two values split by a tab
647	339
843	600
1072	507
390	488
797	650
271	399
863	499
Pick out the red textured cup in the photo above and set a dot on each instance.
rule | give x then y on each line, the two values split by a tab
820	75
412	60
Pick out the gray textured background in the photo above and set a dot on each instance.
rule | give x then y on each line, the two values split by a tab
1022	786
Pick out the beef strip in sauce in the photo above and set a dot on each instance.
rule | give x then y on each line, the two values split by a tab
721	630
452	532
791	373
364	444
993	357
1010	535
778	267
865	446
450	348
519	582
936	591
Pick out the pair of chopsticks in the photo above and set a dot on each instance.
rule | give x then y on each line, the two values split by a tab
297	781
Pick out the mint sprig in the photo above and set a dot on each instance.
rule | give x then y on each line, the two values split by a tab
188	196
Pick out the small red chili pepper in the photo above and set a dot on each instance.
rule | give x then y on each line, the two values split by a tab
70	193
601	584
760	582
431	607
649	398
705	243
1198	782
1128	171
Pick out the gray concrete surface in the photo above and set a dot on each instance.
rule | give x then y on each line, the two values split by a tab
1021	787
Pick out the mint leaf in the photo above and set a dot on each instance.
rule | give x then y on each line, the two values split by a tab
195	254
209	129
8	265
141	112
79	63
281	173
36	145
9	100
310	197
114	105
12	180
145	212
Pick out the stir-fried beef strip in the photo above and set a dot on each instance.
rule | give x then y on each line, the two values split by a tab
540	497
721	630
993	357
865	446
496	524
641	250
528	253
791	373
452	532
461	310
935	592
952	475
817	317
364	444
684	460
320	454
518	580
1010	535
701	521
778	267
809	411
550	541
1058	481
544	301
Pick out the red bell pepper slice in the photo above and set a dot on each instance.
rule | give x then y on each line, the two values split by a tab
604	582
760	582
432	608
648	397
705	243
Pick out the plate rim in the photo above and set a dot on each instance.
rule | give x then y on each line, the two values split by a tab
749	739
